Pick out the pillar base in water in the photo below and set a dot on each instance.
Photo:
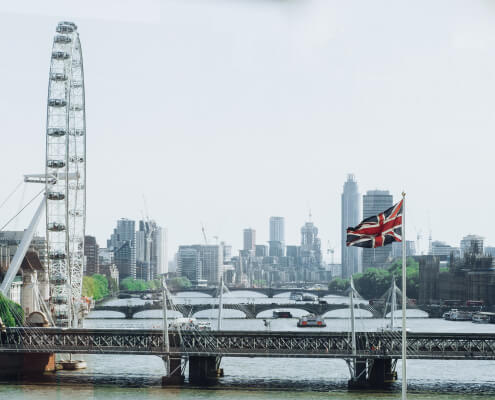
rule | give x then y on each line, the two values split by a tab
28	364
204	370
373	374
175	377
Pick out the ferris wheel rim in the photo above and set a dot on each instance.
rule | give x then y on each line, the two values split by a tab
66	158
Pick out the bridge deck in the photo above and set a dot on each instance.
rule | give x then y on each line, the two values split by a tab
247	344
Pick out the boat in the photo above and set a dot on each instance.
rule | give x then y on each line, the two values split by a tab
311	321
189	324
480	318
483	317
309	297
458	315
296	296
281	314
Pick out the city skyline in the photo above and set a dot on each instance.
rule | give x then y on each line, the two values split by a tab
214	141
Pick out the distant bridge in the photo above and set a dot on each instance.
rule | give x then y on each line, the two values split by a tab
269	292
250	310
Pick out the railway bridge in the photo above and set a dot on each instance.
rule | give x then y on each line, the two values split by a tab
31	350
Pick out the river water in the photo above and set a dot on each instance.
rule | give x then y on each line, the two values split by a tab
139	377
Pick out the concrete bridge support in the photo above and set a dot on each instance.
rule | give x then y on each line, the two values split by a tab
175	376
204	370
373	373
29	364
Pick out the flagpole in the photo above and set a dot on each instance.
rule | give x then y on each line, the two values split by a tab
404	305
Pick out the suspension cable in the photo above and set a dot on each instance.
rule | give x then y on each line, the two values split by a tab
21	210
12	193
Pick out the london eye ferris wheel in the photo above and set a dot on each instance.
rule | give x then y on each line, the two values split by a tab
65	174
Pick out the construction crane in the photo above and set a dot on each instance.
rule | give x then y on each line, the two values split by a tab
330	250
204	233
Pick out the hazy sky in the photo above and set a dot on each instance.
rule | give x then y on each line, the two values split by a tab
225	112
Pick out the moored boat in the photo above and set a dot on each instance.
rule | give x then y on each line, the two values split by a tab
311	321
459	315
483	317
281	314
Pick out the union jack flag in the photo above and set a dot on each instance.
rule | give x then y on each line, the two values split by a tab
378	230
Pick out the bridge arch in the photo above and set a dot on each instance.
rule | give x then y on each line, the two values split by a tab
102	314
213	313
243	292
156	314
343	312
188	293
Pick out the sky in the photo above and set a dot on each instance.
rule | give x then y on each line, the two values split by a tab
222	113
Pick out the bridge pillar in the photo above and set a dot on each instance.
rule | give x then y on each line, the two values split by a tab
373	373
175	376
28	364
204	370
129	313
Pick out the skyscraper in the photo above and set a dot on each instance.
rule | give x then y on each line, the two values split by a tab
189	263
310	246
91	255
210	267
123	243
150	250
277	237
249	239
375	202
351	216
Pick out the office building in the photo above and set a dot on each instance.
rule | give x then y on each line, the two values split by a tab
210	263
123	243
189	263
310	250
350	217
91	256
443	251
249	239
374	203
471	244
277	237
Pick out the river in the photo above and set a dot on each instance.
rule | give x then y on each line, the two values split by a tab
139	377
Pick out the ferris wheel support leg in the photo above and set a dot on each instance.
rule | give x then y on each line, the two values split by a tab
21	250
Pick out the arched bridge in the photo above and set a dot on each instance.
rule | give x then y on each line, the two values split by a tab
250	310
269	292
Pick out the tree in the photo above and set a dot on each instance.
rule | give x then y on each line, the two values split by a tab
11	312
180	282
338	284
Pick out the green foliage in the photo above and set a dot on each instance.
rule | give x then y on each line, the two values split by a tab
372	283
10	312
375	282
338	284
181	282
95	286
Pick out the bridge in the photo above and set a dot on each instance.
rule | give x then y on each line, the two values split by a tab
250	310
375	354
269	292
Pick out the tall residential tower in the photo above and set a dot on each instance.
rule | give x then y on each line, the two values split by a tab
351	216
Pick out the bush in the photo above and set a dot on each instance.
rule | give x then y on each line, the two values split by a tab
11	312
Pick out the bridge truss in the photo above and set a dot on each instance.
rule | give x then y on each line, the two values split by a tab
248	344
